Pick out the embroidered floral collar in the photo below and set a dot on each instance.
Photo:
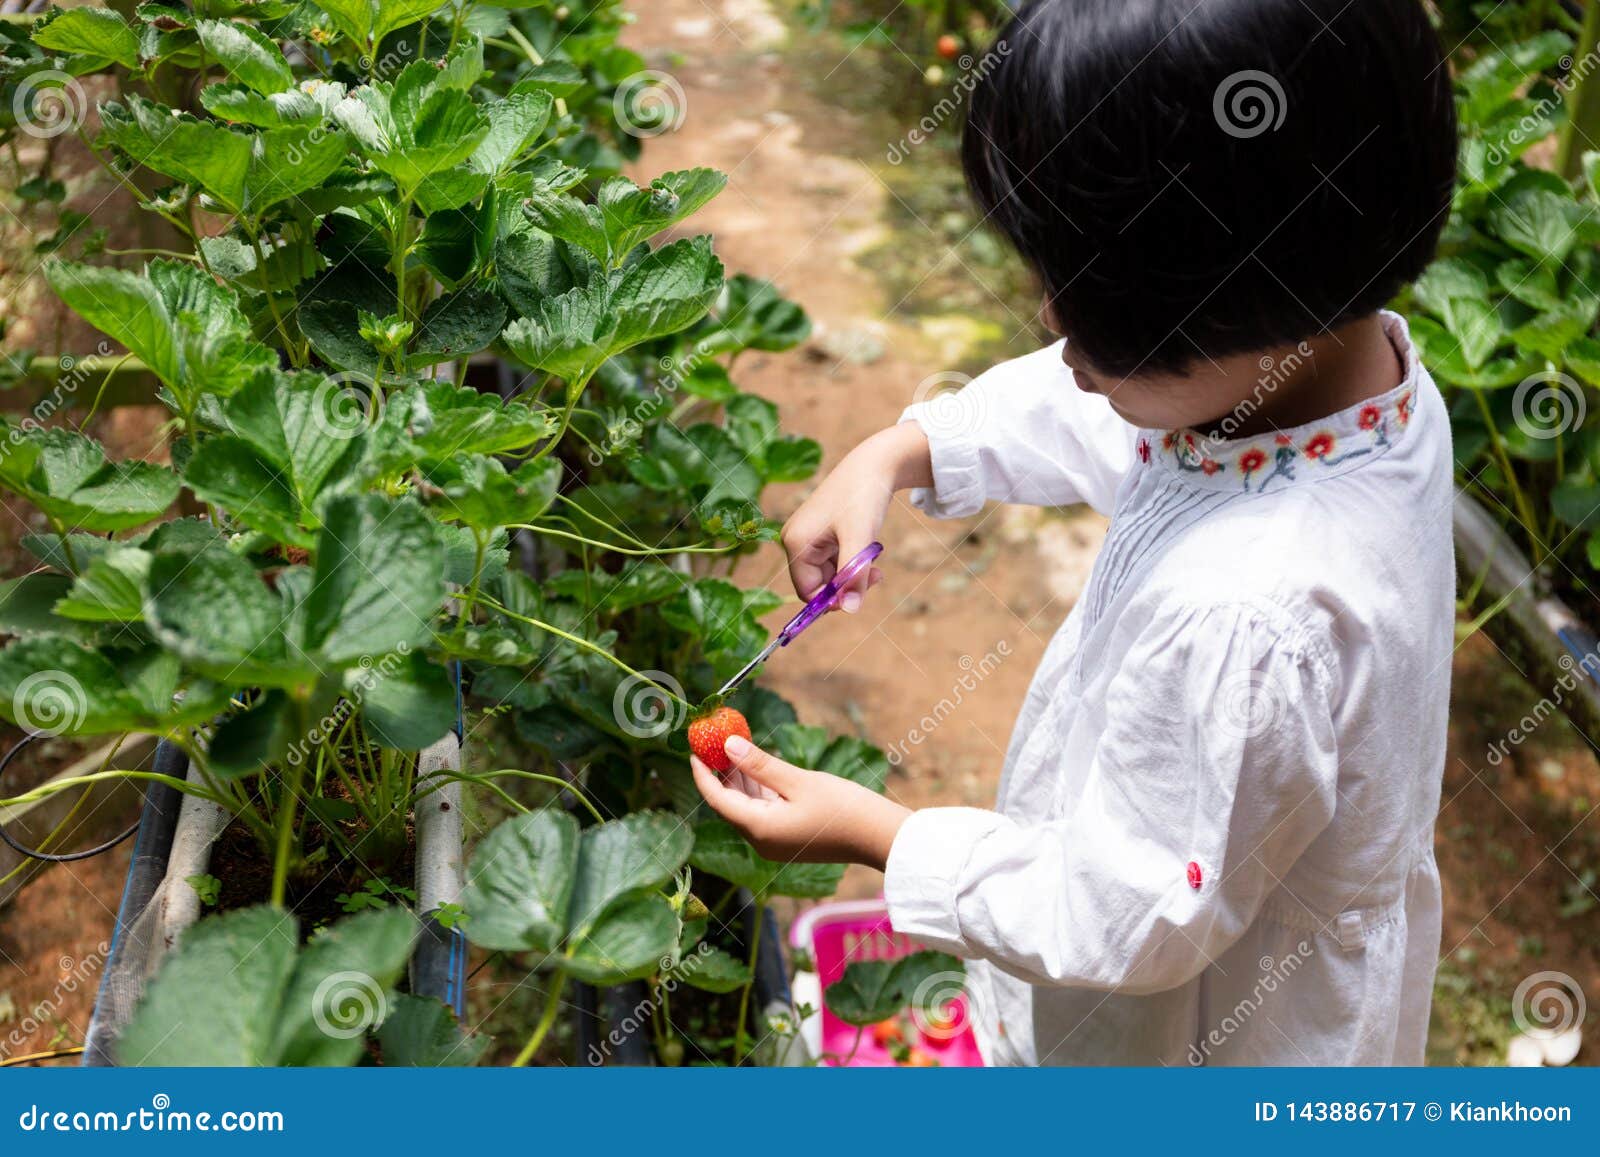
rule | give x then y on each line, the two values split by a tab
1318	449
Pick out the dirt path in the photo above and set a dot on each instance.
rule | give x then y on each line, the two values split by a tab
959	625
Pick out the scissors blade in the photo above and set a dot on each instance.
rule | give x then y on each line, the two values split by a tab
766	653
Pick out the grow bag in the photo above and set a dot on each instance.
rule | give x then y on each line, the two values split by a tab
176	831
610	1030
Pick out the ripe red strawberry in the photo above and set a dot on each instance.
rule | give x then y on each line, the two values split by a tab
710	731
949	47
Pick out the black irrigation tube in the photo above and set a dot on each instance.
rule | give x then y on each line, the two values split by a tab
52	857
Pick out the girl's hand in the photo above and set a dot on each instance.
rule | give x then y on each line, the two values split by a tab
846	512
795	816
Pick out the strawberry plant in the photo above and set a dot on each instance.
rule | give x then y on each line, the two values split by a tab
1506	318
375	198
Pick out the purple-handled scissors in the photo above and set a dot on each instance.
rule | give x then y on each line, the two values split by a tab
825	600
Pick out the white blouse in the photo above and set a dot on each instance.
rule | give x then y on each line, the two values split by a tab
1213	841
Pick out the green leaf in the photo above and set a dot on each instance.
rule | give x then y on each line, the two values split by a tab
69	478
633	939
174	317
422	1032
250	740
111	590
1496	75
406	701
1583	358
480	492
569	336
451	421
246	172
457	325
874	990
665	292
237	992
244	646
515	124
341	987
215	1000
96	36
1538	222
242	104
632	215
27	606
249	56
720	615
1576	503
712	970
752	314
1552	332
639	851
368	21
520	882
379	579
50	686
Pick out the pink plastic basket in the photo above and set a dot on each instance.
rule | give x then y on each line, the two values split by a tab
844	932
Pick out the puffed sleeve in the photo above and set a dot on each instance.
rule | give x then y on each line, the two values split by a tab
1218	749
1022	432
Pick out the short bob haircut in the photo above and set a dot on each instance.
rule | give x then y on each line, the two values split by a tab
1196	178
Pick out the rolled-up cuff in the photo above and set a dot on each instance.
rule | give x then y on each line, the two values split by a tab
922	878
957	489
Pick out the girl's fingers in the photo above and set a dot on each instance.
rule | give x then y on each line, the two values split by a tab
732	805
757	766
811	564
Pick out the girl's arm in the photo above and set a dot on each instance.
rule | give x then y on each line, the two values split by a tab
1023	432
1218	751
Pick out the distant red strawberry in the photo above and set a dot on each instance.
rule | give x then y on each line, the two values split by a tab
709	732
949	47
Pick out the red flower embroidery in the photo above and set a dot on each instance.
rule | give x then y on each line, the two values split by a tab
1210	466
1403	408
1168	439
1320	446
1194	874
1283	439
1370	417
1144	450
1251	461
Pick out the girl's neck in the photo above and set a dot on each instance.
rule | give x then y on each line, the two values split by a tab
1318	377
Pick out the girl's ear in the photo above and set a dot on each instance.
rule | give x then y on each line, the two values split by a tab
1047	314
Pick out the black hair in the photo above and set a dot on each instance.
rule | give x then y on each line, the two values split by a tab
1197	178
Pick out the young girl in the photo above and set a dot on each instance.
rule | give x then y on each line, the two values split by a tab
1213	841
